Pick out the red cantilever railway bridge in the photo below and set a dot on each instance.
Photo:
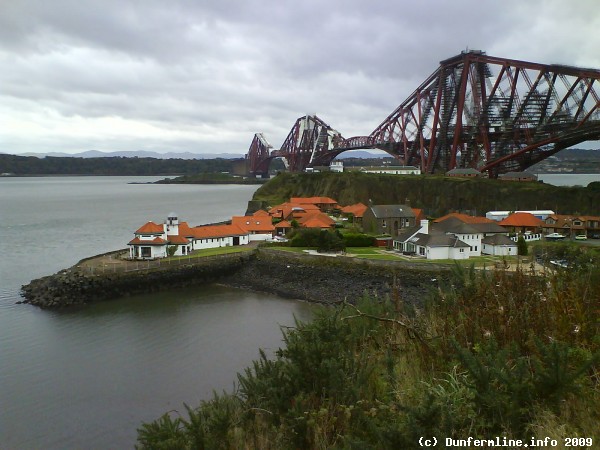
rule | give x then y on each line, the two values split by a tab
492	114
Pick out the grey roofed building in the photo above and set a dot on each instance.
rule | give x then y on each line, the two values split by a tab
455	225
464	172
382	211
498	239
388	219
437	240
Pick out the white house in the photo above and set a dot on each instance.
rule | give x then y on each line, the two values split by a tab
499	245
157	241
451	237
259	226
431	245
393	170
500	215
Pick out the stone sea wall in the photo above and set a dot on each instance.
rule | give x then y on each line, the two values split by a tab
320	279
72	286
325	279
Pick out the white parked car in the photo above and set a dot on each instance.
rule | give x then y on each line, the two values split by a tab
581	237
554	236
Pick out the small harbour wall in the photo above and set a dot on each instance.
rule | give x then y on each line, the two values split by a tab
77	286
325	279
320	279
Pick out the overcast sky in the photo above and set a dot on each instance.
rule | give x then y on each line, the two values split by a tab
204	76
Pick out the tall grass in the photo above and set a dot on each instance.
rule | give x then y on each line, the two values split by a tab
490	354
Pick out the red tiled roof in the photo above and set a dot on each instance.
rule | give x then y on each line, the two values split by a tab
178	239
283	224
322	217
465	218
185	229
316	221
288	209
313	200
260	213
357	210
150	228
251	223
521	219
155	241
215	231
419	214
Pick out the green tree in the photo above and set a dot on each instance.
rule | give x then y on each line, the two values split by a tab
522	246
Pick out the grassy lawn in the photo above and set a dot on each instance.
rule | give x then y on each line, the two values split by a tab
211	252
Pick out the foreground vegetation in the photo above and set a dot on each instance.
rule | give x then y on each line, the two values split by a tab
491	354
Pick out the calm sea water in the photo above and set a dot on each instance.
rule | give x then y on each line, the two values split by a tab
87	378
567	179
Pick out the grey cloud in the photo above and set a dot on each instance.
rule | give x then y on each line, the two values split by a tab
221	71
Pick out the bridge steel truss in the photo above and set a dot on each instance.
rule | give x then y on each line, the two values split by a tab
259	156
492	114
308	139
475	111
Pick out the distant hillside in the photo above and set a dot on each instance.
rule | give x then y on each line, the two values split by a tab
137	154
30	165
437	195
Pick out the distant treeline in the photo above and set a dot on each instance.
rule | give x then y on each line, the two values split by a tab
31	165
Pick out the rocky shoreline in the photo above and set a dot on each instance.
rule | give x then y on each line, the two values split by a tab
321	279
317	279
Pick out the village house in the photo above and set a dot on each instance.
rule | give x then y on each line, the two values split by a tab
387	219
174	238
572	225
517	176
522	223
325	204
354	212
455	236
259	226
464	173
292	211
392	170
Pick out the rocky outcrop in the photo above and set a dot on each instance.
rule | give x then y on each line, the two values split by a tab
73	287
312	278
325	279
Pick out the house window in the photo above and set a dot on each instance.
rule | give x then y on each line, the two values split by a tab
462	250
475	248
421	250
383	224
146	252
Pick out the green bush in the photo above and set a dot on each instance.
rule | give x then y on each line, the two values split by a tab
490	354
358	240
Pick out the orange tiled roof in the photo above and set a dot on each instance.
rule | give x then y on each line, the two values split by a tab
419	214
260	213
185	229
215	231
178	239
150	228
313	200
155	241
321	217
357	210
521	219
465	218
316	221
288	209
251	223
283	224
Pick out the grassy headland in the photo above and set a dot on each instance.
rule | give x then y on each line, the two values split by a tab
437	195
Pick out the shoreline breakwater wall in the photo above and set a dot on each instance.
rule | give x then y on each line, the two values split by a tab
319	279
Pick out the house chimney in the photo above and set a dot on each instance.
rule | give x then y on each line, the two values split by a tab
424	226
